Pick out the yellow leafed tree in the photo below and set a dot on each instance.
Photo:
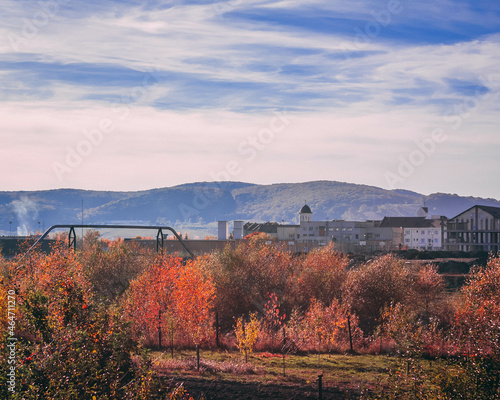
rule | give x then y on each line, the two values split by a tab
247	334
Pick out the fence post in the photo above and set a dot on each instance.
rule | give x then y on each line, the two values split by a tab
350	334
197	357
172	338
320	386
284	350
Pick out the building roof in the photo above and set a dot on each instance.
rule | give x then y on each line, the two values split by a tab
267	227
305	210
494	211
407	222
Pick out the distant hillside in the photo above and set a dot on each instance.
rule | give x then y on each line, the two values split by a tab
199	204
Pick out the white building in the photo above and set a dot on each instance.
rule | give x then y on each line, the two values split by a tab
419	233
423	238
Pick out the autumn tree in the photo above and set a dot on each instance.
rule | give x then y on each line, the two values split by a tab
478	315
68	345
429	286
192	297
374	285
110	266
273	318
247	333
148	302
243	278
170	294
321	275
475	374
317	324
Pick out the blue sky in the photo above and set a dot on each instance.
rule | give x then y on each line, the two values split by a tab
136	94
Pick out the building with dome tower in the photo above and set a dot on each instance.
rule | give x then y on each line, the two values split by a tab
348	236
391	233
305	214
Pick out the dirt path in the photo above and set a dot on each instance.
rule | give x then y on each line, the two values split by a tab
221	390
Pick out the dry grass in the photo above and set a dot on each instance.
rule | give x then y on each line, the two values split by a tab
207	366
342	371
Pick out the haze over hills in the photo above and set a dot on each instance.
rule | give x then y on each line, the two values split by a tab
196	206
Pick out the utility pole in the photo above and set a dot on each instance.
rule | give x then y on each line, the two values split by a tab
82	226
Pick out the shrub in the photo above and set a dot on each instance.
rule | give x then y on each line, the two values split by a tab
372	286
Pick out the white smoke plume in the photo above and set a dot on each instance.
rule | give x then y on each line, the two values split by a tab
27	212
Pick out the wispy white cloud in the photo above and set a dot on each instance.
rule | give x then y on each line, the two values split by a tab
196	80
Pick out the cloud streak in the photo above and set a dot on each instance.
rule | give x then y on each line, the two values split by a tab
361	80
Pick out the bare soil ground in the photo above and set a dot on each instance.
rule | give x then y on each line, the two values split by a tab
200	388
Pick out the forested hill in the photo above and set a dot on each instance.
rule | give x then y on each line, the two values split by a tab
203	203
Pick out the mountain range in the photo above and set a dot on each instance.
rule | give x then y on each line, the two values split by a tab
195	207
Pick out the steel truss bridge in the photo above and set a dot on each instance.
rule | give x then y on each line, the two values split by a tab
72	234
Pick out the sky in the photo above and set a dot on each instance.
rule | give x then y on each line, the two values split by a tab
134	95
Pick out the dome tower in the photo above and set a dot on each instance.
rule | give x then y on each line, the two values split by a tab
305	214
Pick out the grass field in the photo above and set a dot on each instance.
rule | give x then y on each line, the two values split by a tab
343	375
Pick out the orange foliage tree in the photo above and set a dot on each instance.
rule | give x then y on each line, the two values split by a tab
329	326
63	335
321	275
316	322
172	295
273	318
478	315
193	298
